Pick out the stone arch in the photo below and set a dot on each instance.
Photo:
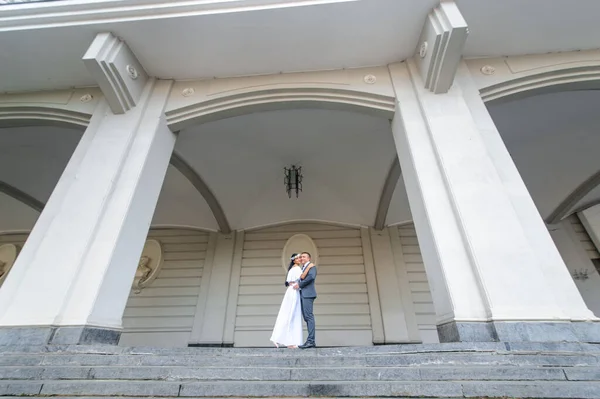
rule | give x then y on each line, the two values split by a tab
508	78
67	115
246	101
568	205
260	94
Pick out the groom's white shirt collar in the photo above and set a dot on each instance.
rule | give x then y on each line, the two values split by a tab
305	265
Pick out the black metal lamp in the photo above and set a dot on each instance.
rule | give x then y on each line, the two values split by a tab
293	180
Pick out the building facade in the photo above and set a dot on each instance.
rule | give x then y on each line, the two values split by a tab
450	177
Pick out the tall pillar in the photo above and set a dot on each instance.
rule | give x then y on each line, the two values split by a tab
72	279
495	273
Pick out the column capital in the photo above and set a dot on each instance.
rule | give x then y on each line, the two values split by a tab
440	46
117	71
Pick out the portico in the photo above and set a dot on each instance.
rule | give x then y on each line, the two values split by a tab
428	227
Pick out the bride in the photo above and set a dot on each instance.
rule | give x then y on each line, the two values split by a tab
288	326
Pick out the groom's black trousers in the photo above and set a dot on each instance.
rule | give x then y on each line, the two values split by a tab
309	318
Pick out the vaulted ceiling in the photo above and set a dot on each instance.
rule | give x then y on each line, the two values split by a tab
553	139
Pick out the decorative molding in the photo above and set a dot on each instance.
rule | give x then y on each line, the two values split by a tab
8	255
71	13
372	289
188	92
279	98
370	79
526	75
296	244
25	115
86	98
117	71
488	70
234	288
21	196
387	192
193	177
149	265
568	204
440	46
577	78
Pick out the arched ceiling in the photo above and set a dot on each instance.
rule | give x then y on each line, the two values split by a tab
554	140
345	158
32	160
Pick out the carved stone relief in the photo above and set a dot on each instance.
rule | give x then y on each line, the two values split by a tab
149	265
8	255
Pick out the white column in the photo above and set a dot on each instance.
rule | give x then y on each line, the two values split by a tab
493	268
393	315
73	277
209	321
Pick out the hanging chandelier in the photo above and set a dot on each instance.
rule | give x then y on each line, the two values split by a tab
293	180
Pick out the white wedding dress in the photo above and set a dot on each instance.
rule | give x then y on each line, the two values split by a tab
288	326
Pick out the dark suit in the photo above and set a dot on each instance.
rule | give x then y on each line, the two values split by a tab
308	294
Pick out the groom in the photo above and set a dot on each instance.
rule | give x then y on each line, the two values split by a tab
308	294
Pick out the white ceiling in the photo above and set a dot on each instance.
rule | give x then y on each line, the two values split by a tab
517	27
324	35
345	158
554	140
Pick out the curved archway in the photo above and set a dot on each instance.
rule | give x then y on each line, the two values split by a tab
35	115
531	75
526	76
280	98
567	205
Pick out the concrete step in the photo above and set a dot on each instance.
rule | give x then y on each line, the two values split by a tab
528	370
389	360
303	374
435	389
500	347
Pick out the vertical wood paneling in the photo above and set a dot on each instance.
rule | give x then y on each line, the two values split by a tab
163	313
584	237
342	309
419	285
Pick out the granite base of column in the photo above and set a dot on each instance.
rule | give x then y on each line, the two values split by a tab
65	335
507	331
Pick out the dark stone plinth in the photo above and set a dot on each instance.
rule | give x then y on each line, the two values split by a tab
506	331
43	335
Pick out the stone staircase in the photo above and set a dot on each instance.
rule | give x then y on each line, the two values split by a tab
473	370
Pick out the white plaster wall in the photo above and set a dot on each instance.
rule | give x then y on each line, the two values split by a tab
15	216
180	204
